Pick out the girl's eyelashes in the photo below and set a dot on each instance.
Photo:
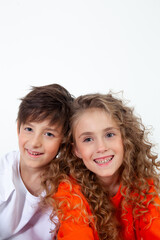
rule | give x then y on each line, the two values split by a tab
111	134
88	139
107	135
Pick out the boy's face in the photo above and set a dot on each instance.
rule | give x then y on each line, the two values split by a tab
39	143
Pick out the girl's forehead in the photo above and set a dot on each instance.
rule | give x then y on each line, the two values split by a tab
96	111
94	122
90	115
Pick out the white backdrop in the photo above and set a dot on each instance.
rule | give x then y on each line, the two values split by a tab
86	46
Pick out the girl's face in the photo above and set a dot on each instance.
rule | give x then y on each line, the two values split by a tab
99	143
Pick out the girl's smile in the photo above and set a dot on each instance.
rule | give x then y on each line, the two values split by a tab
103	160
99	143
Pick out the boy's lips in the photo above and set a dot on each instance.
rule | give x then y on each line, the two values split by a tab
34	153
103	160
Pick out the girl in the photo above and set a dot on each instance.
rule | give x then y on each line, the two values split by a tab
112	191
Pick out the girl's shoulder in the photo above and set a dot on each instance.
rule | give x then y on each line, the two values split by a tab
71	201
70	195
149	223
74	212
69	190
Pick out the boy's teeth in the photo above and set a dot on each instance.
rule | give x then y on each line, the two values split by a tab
33	153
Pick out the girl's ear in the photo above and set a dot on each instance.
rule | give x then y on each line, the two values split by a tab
75	151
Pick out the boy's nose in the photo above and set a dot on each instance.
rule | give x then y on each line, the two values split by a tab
36	141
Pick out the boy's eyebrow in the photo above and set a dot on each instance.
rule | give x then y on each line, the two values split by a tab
46	128
51	129
106	129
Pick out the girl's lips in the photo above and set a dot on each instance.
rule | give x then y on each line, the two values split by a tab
103	160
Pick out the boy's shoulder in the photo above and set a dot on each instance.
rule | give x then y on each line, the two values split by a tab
9	165
9	160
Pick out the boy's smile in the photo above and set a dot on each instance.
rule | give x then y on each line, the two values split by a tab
39	143
34	153
98	142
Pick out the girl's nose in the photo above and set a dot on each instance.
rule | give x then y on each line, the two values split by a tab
101	145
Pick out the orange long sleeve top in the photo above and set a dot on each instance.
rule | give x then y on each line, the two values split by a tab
146	227
131	230
69	229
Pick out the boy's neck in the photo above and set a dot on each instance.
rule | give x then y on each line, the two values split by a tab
31	179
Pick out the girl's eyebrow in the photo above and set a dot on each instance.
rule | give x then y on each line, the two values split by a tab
105	130
111	128
84	134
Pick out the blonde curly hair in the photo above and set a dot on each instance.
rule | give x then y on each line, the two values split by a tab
139	165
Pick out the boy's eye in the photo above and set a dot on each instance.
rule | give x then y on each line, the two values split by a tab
28	129
87	139
110	135
49	134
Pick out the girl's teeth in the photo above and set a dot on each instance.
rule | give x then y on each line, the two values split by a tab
103	161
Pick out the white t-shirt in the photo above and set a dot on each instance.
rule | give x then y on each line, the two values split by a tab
20	215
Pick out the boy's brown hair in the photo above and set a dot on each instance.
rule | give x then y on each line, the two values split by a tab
52	102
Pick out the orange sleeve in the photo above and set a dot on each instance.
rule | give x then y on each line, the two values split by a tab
74	231
151	229
70	229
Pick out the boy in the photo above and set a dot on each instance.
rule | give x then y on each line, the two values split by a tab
42	124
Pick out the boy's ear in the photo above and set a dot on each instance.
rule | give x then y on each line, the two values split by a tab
18	128
75	151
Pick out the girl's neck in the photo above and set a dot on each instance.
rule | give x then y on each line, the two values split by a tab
111	184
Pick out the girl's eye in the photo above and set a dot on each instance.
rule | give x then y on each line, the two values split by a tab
28	129
110	135
88	139
49	134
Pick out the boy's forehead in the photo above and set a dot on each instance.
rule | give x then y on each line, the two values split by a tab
46	122
42	118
